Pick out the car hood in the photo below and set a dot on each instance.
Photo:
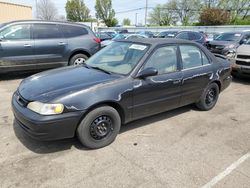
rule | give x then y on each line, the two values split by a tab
222	43
49	85
244	49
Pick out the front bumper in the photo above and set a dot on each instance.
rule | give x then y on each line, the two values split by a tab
46	128
241	67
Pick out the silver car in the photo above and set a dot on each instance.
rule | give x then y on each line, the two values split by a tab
242	61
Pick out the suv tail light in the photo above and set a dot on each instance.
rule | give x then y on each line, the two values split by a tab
97	40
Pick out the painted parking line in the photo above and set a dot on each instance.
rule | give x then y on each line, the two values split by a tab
226	172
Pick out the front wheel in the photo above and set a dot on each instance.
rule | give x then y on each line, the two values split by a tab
99	128
209	97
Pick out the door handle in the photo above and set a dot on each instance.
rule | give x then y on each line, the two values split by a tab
27	45
61	43
177	81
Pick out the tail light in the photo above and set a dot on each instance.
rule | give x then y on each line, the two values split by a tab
97	40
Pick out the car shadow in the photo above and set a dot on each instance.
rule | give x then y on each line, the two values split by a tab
46	147
16	75
242	80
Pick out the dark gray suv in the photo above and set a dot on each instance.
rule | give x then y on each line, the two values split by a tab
29	45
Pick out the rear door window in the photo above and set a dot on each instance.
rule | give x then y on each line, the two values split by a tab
73	31
191	56
46	31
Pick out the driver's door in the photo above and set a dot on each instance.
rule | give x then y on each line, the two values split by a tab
16	47
162	92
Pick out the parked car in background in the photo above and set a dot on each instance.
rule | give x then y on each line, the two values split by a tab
241	65
121	31
29	45
103	36
110	33
227	43
127	80
191	35
123	36
167	34
149	34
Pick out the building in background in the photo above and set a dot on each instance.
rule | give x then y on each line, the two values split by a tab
12	11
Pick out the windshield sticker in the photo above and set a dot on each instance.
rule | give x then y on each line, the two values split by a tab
237	35
138	47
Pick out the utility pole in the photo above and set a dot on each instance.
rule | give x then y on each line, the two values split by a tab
136	19
146	13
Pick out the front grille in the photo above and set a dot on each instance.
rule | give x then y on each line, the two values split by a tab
242	63
243	56
20	99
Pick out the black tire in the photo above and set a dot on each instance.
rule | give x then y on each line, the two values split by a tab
74	59
90	131
209	97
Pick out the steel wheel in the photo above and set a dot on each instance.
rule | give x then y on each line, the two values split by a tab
211	96
101	127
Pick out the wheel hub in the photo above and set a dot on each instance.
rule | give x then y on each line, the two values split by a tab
101	127
211	95
79	61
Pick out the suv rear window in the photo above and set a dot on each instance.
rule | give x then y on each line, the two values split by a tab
73	31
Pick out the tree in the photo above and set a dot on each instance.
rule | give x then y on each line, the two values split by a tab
126	21
237	8
163	15
105	12
46	10
77	11
214	16
187	10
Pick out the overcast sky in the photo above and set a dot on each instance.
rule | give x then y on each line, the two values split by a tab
118	5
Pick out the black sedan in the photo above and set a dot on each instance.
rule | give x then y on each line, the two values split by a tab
127	80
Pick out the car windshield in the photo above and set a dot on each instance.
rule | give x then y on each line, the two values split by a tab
229	37
118	57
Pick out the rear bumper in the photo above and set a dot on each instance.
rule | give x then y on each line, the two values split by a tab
226	82
46	128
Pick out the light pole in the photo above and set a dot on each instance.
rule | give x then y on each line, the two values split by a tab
136	19
146	13
36	8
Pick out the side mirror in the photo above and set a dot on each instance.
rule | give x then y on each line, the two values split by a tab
147	72
244	41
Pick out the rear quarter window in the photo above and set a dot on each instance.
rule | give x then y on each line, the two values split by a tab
73	31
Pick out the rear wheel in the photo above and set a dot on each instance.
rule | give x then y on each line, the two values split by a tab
209	97
99	128
78	59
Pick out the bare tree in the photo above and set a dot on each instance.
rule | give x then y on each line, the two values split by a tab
46	10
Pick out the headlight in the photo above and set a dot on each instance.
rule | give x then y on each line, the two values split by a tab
46	109
231	46
231	54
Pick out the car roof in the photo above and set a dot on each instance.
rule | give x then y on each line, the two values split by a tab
157	41
44	21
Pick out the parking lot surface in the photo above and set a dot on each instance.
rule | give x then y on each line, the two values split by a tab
181	148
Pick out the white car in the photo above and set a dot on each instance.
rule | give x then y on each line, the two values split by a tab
242	60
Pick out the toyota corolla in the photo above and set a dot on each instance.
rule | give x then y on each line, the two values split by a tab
127	80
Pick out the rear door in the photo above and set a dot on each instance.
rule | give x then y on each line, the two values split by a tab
197	72
16	46
50	45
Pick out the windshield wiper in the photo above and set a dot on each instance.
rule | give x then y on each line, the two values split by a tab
98	68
